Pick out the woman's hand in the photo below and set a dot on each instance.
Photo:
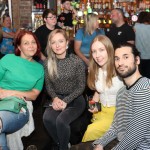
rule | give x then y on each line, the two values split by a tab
95	110
57	104
26	95
7	93
95	99
64	105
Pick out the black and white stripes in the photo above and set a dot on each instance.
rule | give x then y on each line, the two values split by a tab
131	123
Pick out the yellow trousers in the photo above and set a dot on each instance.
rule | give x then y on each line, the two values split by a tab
101	122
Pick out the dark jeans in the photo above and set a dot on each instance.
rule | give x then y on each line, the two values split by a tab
57	123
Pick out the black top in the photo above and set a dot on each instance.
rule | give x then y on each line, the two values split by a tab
120	35
71	78
65	18
42	34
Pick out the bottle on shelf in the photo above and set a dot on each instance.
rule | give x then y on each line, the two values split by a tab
59	7
39	5
44	4
99	5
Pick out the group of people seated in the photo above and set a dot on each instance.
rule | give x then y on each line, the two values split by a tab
107	62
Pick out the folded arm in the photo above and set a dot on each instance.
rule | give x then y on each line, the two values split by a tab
27	95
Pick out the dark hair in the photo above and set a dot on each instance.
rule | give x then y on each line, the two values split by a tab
63	1
142	17
18	40
135	52
147	18
48	11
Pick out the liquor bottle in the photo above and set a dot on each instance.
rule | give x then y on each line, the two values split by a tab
45	4
59	7
34	5
107	4
99	4
37	4
40	4
92	4
104	5
132	10
95	5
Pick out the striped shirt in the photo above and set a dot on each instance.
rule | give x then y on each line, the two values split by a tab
131	123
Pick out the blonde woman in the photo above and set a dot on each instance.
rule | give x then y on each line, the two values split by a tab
103	79
65	83
84	37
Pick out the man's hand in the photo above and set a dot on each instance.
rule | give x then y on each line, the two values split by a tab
98	147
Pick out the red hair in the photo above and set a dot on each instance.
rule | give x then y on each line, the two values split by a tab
18	39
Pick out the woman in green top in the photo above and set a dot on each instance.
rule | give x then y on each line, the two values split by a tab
20	76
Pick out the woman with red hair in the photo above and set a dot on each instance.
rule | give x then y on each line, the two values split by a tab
20	77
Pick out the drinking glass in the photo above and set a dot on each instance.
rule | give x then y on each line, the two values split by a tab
92	105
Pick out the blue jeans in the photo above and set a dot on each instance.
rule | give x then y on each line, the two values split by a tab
57	123
11	122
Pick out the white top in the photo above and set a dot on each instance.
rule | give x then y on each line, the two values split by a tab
107	95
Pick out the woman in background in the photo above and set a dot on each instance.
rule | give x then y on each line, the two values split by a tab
84	37
7	44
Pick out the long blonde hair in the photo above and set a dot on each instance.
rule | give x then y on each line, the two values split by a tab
90	21
94	67
52	59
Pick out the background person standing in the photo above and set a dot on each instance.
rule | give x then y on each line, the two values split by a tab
66	17
120	32
50	19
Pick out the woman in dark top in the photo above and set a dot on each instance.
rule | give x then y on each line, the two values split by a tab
65	83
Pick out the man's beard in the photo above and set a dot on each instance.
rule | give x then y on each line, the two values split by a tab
128	73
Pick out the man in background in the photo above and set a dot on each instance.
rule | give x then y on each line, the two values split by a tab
120	32
66	17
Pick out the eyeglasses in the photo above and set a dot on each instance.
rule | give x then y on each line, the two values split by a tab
51	18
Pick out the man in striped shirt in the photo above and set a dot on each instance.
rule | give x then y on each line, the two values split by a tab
131	124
